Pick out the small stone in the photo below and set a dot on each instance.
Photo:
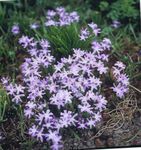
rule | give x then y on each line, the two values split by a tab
105	116
99	143
110	142
90	144
19	77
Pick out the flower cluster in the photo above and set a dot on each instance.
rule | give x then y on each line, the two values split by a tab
59	17
88	31
122	81
59	95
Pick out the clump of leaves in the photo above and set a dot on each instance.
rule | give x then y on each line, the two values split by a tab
123	9
3	103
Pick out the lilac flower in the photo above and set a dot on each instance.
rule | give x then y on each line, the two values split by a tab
40	135
11	89
54	136
40	118
97	117
116	24
104	57
90	94
53	87
74	16
17	98
41	105
51	13
84	34
96	47
25	41
56	146
31	105
106	44
47	115
101	103
50	23
94	82
58	66
33	131
61	98
116	71
60	9
67	119
101	68
86	107
28	113
91	123
119	90
94	28
44	44
5	80
78	53
48	125
15	29
32	44
19	89
75	69
123	79
82	124
120	65
32	51
34	25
